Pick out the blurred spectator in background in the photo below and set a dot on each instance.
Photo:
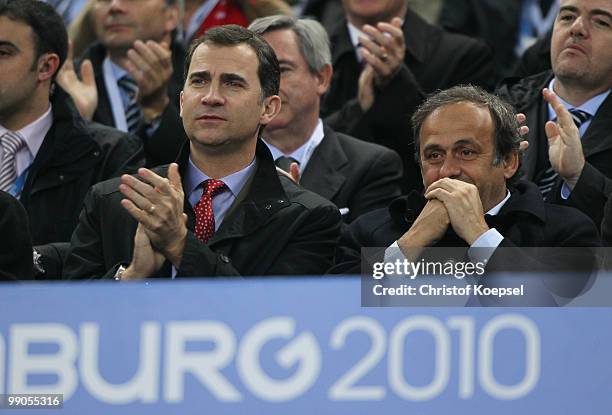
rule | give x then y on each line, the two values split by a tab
536	58
330	12
357	176
50	155
131	78
68	9
508	26
201	15
385	59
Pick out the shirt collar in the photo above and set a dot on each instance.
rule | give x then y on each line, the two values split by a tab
495	209
354	33
590	107
301	154
35	132
235	181
118	71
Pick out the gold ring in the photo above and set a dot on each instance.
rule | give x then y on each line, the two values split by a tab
151	209
384	57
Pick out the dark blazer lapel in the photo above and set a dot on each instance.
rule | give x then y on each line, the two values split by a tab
598	137
508	10
537	116
264	199
104	113
341	40
416	34
525	198
68	150
323	174
536	119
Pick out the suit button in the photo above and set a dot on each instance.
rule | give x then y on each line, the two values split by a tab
96	153
409	216
61	177
224	259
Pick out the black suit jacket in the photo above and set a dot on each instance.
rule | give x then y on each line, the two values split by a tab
494	21
277	229
165	143
594	185
15	244
434	60
326	12
525	220
606	224
74	155
535	59
353	174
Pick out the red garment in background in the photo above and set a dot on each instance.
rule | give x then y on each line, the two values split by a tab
225	12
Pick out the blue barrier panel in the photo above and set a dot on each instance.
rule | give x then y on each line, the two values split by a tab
294	346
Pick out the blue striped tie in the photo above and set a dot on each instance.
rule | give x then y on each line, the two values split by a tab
547	181
133	114
11	144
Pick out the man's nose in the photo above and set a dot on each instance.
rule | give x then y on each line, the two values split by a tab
578	28
213	96
451	168
116	6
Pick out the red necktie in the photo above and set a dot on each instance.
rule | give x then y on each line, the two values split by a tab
205	218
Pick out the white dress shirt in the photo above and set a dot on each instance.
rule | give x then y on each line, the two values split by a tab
34	135
304	152
590	107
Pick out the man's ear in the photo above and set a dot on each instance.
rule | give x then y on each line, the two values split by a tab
272	106
511	164
324	79
47	66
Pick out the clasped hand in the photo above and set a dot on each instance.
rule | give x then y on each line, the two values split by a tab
157	204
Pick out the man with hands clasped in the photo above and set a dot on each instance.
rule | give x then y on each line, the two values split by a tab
454	182
222	209
468	150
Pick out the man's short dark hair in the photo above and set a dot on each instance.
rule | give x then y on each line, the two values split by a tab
234	35
48	27
506	137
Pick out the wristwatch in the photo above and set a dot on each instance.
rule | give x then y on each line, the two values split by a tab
119	274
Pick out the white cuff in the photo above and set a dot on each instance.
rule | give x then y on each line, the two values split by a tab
483	248
394	253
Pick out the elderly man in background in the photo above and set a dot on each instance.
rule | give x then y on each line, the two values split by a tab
357	176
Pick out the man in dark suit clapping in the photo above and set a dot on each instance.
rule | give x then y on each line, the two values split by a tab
223	209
